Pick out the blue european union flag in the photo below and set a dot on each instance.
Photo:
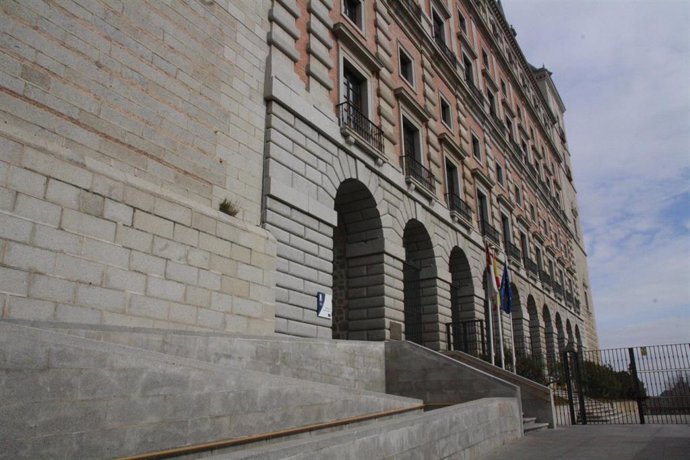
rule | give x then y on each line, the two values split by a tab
506	292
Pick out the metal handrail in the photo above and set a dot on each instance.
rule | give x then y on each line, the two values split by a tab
514	252
490	232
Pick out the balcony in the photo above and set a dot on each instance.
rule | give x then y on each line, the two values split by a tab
418	173
569	299
531	266
545	278
514	252
413	7
458	205
558	289
447	52
533	170
491	233
351	119
475	91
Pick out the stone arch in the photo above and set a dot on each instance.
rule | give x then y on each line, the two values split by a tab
520	324
549	337
419	285
569	333
358	284
465	334
560	335
578	339
535	331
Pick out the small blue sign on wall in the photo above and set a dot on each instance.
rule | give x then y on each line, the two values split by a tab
324	305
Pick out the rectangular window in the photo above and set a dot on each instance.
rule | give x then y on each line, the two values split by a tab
439	28
503	87
463	23
411	143
483	209
469	74
524	244
505	225
406	66
446	114
352	9
518	196
509	125
499	173
492	103
540	261
476	149
532	213
354	88
485	59
452	185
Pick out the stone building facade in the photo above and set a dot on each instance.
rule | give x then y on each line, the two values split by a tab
404	136
371	148
123	127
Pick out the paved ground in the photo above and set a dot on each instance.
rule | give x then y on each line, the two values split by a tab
599	442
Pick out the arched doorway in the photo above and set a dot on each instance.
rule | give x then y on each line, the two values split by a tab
519	324
560	335
358	301
419	284
578	339
550	340
569	333
466	331
535	333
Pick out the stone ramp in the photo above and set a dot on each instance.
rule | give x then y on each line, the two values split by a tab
462	431
352	364
68	396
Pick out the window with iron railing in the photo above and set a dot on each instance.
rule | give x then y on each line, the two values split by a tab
351	118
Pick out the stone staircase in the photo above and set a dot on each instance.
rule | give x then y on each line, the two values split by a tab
71	390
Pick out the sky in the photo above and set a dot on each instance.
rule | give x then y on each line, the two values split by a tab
622	69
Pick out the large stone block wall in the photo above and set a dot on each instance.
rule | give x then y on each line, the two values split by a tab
123	125
105	248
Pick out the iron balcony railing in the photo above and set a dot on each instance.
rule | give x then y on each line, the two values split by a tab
457	204
531	266
447	52
569	297
514	252
558	289
414	8
577	305
545	278
351	118
533	170
417	171
490	232
477	93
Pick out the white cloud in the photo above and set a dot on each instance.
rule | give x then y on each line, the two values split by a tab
622	68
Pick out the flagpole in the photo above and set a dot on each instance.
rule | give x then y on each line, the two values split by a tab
500	317
489	296
512	341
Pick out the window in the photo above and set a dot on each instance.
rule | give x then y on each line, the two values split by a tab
532	213
524	244
540	260
485	59
406	66
476	148
439	28
518	196
483	209
469	74
499	173
463	23
492	103
509	125
352	9
411	142
452	185
503	87
446	114
354	88
505	226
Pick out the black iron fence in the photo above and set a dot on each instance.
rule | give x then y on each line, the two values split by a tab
351	118
467	336
634	385
514	252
